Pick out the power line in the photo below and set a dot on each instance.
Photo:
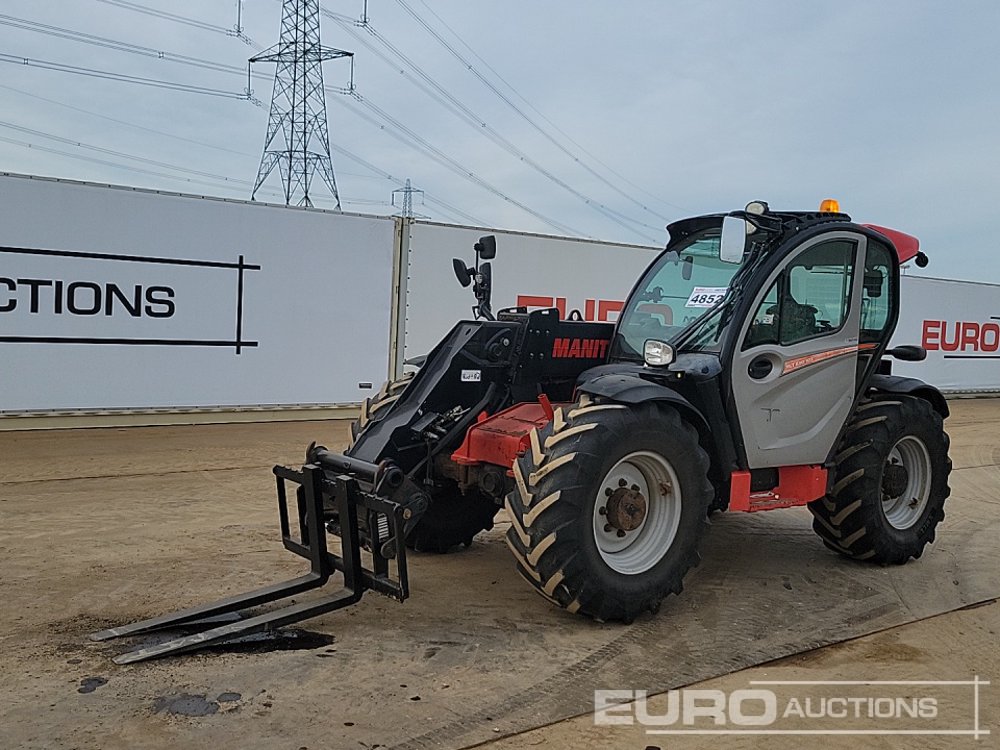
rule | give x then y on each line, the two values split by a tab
230	180
182	139
176	18
237	31
455	105
450	209
379	174
113	152
524	115
125	122
137	49
427	196
407	136
138	170
200	62
106	162
122	77
100	41
442	158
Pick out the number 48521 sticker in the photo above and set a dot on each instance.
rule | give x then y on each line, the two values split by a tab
705	296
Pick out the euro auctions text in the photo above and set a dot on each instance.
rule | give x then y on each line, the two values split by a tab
815	707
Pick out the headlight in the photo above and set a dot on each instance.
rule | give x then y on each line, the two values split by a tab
657	353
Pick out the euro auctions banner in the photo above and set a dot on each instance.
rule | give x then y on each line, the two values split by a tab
114	298
71	297
958	323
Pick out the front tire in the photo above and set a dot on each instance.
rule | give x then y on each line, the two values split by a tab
608	507
891	483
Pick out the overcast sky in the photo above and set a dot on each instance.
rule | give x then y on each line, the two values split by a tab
661	109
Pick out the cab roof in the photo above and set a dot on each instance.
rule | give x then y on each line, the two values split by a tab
906	245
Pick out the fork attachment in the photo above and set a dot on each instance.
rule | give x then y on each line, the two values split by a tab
372	504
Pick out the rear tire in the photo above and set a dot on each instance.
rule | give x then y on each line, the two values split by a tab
387	395
891	483
578	464
452	519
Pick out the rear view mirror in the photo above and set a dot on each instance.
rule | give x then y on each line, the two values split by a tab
733	242
873	283
486	248
461	272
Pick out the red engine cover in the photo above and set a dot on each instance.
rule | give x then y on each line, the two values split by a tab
501	438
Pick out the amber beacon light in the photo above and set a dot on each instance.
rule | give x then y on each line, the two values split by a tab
829	206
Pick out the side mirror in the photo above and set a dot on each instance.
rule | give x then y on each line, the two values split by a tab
873	283
486	248
908	353
461	272
733	242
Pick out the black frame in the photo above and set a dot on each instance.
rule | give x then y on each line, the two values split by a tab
323	482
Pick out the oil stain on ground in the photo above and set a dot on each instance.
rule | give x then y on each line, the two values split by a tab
90	684
185	704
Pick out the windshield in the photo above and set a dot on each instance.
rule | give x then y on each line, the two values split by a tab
681	286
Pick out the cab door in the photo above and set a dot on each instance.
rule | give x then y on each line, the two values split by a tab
794	363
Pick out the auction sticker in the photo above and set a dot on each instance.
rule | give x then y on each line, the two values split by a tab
706	296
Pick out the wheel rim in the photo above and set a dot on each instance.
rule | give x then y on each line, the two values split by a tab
638	549
904	510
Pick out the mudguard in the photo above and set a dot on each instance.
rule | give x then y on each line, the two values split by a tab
911	387
626	388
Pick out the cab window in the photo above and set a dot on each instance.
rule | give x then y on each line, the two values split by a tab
810	298
877	293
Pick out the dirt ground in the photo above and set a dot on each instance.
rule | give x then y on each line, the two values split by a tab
956	646
102	527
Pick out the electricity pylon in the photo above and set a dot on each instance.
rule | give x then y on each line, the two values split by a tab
406	209
298	106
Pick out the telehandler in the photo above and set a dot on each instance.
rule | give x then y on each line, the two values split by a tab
749	369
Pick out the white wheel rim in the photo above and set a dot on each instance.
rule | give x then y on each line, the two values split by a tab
643	547
904	510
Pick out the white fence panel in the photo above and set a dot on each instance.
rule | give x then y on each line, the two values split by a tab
114	298
958	323
532	270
